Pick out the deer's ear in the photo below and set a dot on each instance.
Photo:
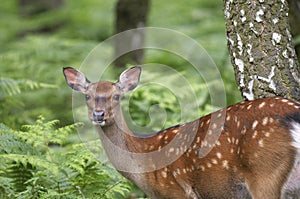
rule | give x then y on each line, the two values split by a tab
75	79
129	79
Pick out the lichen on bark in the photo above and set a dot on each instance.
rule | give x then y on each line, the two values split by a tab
260	45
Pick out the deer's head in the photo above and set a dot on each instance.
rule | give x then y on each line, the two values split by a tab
102	97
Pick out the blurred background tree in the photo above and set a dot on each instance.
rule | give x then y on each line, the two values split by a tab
130	14
30	8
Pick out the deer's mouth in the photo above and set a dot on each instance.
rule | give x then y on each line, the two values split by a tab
99	122
98	118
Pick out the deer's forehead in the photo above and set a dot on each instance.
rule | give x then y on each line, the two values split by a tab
103	88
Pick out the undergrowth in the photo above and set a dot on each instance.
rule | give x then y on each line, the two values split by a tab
35	164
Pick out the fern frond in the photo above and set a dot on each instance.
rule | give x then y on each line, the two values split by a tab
42	133
4	128
120	188
31	169
93	178
11	143
35	161
11	87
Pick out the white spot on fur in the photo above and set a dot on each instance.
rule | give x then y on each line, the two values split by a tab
261	143
267	134
225	164
228	118
261	104
254	124
249	106
232	139
237	141
202	168
164	174
265	121
214	161
214	126
254	135
229	140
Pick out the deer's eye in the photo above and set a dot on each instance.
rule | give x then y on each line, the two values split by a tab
87	97
116	97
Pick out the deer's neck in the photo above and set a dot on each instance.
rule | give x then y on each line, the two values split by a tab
117	134
119	145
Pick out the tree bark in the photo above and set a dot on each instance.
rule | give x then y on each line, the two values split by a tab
261	49
130	14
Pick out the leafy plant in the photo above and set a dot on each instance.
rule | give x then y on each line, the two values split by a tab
34	165
10	104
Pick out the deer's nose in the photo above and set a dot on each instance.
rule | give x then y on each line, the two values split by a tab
98	115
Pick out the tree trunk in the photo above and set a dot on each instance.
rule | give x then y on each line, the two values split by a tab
261	49
33	7
130	14
30	8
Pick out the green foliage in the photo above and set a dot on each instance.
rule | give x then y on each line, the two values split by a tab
10	89
33	83
166	102
297	40
30	168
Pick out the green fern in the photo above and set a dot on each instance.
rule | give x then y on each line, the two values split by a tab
31	169
42	133
11	101
93	178
11	87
